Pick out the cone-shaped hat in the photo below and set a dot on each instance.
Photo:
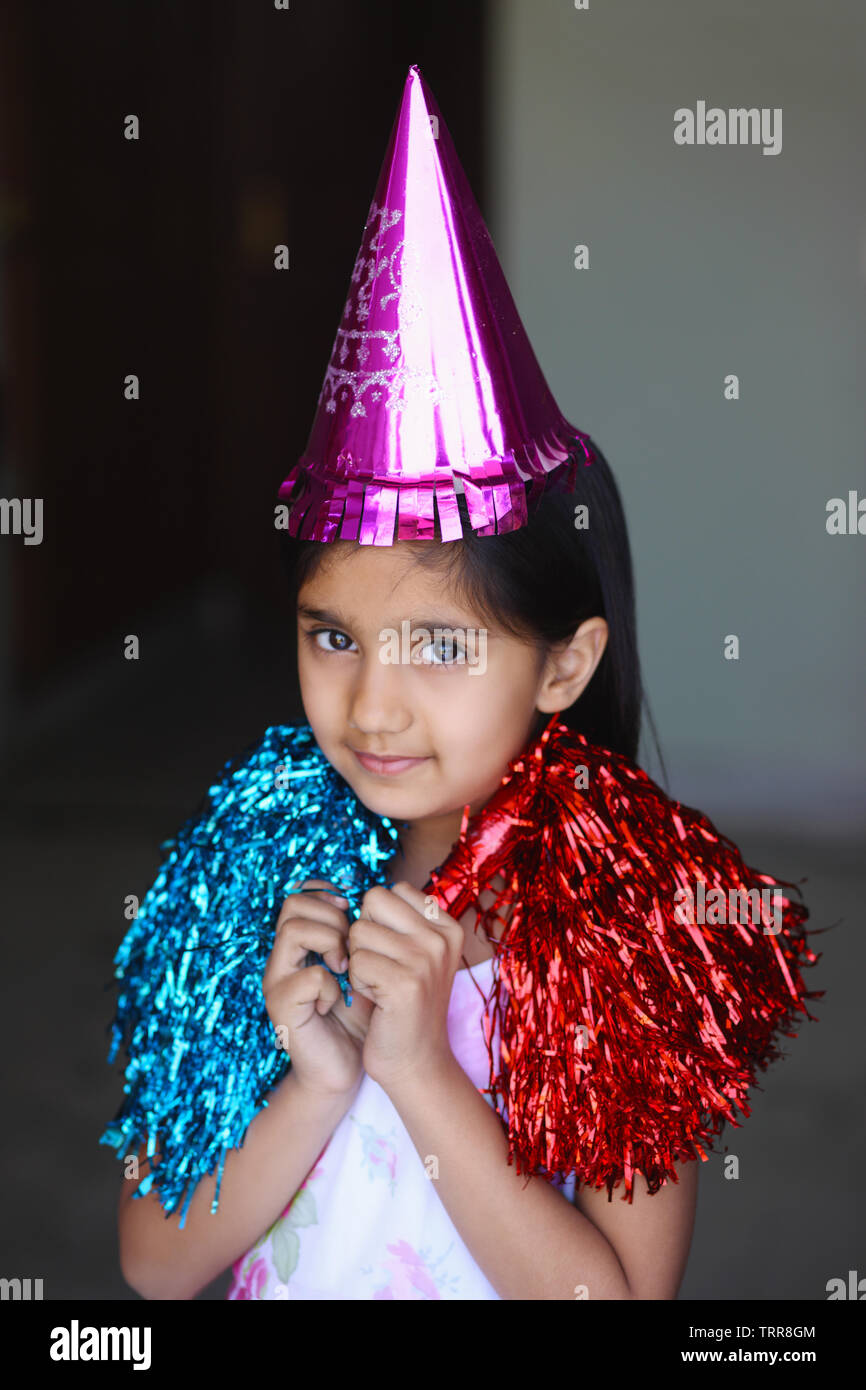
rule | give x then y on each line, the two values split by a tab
433	387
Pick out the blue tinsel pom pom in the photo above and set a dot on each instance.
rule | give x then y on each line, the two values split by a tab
190	1013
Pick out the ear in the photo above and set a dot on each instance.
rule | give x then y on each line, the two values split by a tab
570	666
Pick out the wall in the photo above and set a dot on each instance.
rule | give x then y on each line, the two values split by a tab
706	261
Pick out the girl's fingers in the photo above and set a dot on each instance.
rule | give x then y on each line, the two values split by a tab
389	909
298	936
309	987
370	971
385	941
308	908
407	912
321	889
426	905
415	897
393	935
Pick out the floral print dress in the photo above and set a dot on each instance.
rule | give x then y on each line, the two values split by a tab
367	1221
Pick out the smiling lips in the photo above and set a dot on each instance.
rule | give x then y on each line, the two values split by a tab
388	766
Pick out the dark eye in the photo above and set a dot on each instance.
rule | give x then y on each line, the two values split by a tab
343	643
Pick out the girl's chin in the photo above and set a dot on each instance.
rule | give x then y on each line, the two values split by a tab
388	801
396	802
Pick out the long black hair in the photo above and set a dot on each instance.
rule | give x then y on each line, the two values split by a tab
542	581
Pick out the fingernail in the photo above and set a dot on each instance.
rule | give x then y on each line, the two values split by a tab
344	964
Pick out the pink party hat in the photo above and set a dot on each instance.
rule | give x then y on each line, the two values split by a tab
433	387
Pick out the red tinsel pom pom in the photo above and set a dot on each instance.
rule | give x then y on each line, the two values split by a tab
640	994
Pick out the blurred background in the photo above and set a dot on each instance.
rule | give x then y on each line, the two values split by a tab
155	257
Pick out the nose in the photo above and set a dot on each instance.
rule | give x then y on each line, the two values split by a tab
378	698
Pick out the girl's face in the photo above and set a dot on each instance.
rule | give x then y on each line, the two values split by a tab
374	682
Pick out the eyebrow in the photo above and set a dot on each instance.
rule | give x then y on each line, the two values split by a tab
319	615
323	615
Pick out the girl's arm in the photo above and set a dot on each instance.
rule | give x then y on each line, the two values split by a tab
529	1241
281	1145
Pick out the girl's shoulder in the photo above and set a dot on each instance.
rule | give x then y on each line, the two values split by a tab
277	805
280	748
260	775
190	1010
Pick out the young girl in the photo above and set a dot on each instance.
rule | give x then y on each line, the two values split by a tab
473	703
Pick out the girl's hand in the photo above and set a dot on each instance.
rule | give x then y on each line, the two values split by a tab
322	1036
404	951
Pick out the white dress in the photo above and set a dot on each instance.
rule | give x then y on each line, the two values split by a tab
367	1222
